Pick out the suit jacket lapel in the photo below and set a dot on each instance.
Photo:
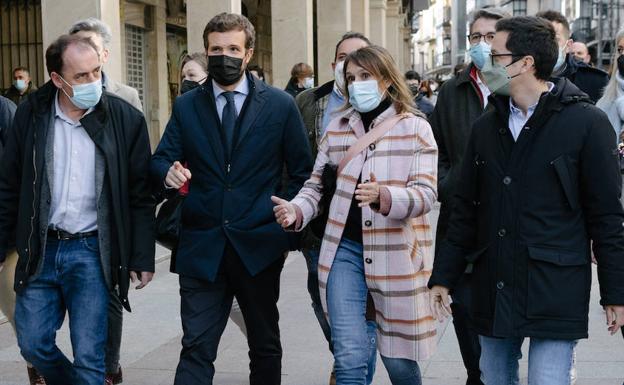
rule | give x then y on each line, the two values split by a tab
206	109
251	111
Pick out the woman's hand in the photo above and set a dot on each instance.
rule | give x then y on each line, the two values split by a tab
285	213
368	193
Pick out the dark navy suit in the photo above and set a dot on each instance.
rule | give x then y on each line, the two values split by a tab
230	244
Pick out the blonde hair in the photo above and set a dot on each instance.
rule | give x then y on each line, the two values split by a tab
610	91
300	71
378	61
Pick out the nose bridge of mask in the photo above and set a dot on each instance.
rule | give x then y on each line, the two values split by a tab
480	53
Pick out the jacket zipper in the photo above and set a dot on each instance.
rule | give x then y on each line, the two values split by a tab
34	190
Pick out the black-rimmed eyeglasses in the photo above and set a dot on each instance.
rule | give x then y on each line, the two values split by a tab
514	56
476	37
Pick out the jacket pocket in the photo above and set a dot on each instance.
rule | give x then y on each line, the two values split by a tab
476	283
566	181
558	284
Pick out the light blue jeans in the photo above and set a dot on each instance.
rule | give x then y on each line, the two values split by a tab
346	303
550	361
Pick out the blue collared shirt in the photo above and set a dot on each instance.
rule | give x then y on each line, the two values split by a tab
73	207
517	118
334	103
240	94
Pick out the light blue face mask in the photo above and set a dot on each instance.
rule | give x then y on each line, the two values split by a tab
20	85
364	96
480	53
560	59
85	95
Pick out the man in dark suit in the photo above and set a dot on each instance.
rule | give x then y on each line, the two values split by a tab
235	133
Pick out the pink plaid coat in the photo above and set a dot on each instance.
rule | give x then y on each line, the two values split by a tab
397	245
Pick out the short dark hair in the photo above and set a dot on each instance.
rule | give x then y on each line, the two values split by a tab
412	75
555	17
20	68
351	35
257	68
491	13
225	22
56	50
532	36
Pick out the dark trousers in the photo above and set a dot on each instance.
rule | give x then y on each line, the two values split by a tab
205	308
467	339
113	344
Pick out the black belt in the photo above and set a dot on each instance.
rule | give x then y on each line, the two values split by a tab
65	236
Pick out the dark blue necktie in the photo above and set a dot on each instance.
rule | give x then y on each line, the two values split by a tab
228	119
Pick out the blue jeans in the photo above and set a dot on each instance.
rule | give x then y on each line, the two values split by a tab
550	361
312	259
71	280
346	302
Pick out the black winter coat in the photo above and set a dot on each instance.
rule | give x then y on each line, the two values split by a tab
526	213
120	132
588	79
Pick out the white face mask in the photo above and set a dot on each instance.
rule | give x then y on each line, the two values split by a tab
308	83
364	96
560	59
339	76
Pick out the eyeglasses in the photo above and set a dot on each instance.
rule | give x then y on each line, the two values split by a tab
513	55
476	37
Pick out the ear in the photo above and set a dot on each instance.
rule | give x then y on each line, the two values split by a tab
56	79
249	55
105	55
528	62
568	46
333	66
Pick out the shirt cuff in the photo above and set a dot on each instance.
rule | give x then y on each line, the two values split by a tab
385	200
299	220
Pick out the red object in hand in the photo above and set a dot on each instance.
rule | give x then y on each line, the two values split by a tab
184	190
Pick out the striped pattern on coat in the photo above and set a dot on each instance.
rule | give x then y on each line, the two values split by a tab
399	244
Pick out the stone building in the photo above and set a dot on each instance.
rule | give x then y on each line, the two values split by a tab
151	36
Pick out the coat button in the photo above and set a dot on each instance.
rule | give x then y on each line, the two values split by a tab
372	147
502	232
226	222
500	285
368	260
507	180
502	131
43	232
368	223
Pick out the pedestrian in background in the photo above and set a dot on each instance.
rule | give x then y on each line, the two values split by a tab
612	102
301	79
588	79
318	106
461	100
236	133
541	183
80	208
101	34
413	81
22	85
193	72
257	71
377	237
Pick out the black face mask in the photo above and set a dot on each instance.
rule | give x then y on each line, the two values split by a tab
188	85
620	64
225	70
415	88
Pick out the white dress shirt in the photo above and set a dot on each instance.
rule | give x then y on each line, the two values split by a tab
73	207
517	118
485	91
240	94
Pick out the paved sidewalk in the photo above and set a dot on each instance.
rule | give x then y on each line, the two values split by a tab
152	342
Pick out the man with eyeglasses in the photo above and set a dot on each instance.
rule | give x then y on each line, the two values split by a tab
461	100
539	189
588	79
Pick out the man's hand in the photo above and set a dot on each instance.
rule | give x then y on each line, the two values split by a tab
440	305
615	318
143	276
285	213
367	193
177	175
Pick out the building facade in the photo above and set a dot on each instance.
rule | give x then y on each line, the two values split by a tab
150	37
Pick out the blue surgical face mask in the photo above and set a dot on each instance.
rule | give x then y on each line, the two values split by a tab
560	59
364	96
85	95
20	85
479	53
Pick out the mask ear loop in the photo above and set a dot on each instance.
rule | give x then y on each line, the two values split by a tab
70	86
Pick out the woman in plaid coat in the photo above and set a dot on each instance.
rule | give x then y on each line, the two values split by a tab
378	239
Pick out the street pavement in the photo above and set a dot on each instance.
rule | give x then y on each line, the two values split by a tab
152	334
